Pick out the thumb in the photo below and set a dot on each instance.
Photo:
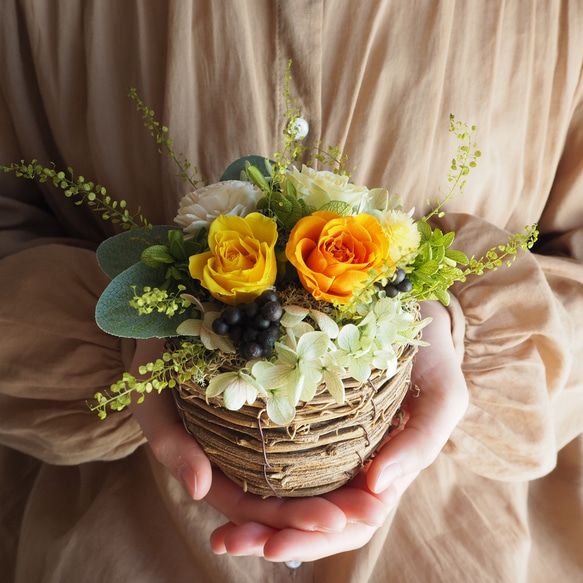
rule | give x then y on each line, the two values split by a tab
167	437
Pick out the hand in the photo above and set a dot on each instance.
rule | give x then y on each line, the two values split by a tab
176	449
367	500
311	528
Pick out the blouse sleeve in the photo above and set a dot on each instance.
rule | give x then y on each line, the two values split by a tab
522	335
53	357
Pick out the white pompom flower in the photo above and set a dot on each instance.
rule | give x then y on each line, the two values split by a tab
200	208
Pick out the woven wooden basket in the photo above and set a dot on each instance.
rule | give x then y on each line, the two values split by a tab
322	449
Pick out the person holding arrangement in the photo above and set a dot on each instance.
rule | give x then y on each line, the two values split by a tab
483	484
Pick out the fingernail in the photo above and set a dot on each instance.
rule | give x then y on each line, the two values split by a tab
188	478
389	474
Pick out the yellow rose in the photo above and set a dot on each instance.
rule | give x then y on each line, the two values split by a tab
334	254
241	263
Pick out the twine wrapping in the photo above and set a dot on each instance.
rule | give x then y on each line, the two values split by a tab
325	446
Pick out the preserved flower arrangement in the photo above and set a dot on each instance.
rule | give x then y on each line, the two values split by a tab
284	293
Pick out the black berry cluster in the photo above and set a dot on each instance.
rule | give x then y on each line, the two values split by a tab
253	328
398	284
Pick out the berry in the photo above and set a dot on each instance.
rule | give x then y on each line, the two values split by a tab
268	337
249	335
405	286
391	290
251	350
260	322
235	334
232	315
266	351
272	311
269	295
249	311
399	276
220	327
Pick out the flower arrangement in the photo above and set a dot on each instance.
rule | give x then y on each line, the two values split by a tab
279	279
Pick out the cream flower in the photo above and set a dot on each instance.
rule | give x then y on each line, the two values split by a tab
318	187
201	207
402	233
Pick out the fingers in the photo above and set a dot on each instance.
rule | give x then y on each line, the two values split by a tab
364	512
433	418
441	404
247	539
295	545
176	449
315	513
172	445
360	505
288	544
169	441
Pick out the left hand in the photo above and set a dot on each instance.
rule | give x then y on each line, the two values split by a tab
367	500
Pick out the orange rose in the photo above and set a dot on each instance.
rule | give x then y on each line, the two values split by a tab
334	254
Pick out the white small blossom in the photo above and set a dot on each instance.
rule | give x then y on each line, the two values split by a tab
237	389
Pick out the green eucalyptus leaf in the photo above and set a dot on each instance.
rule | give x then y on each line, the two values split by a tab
121	251
115	316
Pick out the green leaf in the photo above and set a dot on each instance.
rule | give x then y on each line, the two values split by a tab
448	239
428	268
457	256
339	207
287	209
121	251
176	243
425	230
258	178
427	280
115	316
442	295
290	189
233	171
156	255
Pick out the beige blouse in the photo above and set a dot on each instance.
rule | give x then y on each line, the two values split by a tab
83	499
